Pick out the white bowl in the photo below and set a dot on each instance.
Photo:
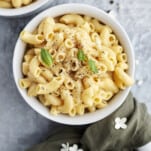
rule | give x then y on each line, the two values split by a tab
93	12
22	10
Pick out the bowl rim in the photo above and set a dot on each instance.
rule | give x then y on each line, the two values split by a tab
89	117
8	12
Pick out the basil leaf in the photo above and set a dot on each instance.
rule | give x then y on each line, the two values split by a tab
92	66
81	56
46	57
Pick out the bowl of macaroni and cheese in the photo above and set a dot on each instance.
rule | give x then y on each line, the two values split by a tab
12	8
73	64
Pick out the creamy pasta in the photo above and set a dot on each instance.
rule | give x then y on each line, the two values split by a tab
73	64
14	3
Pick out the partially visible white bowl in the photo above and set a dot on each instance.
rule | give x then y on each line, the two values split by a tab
103	17
22	10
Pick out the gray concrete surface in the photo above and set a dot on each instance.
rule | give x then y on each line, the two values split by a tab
20	126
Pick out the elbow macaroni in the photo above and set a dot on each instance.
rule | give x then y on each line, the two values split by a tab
14	3
68	86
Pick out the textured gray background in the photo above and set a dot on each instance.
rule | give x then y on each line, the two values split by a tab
20	126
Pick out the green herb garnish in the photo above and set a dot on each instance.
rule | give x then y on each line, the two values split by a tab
81	55
46	57
92	66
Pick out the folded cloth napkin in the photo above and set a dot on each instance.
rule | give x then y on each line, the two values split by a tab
127	128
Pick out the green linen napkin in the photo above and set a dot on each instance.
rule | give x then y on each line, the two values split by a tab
102	135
